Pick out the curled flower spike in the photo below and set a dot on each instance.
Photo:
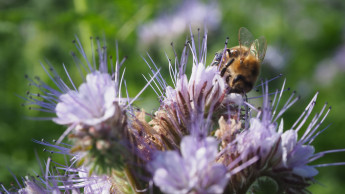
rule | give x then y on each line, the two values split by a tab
96	114
282	156
204	92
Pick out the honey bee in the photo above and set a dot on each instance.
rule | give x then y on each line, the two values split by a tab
240	65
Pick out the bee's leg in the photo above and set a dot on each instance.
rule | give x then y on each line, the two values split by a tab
222	72
215	63
226	66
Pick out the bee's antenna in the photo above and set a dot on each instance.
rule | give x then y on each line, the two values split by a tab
226	45
224	51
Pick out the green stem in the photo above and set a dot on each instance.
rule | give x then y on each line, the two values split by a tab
131	179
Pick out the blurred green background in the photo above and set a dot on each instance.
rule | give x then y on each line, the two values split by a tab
306	42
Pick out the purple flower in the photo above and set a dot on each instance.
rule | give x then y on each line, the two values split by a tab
257	139
96	101
204	88
91	105
296	155
194	170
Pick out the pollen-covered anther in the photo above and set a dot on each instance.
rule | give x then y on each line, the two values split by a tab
95	132
227	130
166	125
86	142
79	132
233	99
143	137
103	145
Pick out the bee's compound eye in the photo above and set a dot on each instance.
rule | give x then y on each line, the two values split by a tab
234	53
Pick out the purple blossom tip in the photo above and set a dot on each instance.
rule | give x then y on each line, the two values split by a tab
192	170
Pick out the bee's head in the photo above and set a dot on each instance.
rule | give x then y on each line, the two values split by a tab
239	84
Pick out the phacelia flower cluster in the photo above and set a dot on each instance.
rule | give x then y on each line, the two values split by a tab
202	139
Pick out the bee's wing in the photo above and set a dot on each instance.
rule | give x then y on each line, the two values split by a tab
245	38
258	48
